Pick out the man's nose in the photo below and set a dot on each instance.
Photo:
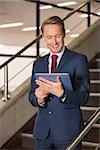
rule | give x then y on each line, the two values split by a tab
54	40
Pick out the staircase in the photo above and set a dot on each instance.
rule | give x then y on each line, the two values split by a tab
91	140
23	140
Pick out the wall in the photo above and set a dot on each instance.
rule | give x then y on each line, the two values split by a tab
15	112
88	42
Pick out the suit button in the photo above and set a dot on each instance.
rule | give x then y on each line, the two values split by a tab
50	112
50	98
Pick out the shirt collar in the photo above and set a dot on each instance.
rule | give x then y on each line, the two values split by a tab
60	53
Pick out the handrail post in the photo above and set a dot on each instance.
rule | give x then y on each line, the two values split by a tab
6	83
37	25
89	17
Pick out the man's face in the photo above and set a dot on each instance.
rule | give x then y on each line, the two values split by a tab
54	37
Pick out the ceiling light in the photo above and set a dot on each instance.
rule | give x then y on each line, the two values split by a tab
74	35
67	3
1	46
67	30
30	28
10	25
46	7
98	13
84	15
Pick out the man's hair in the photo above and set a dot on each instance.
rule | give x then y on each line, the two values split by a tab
53	20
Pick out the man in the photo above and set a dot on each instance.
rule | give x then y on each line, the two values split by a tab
59	119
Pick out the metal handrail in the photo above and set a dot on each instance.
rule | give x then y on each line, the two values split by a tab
98	146
78	8
85	130
33	42
62	7
93	115
23	68
10	55
21	51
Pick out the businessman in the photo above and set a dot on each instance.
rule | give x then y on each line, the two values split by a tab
59	119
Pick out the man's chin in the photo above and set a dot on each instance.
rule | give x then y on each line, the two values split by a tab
55	50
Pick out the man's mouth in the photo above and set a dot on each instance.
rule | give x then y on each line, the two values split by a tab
55	46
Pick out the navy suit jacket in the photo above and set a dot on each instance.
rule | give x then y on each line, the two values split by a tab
63	119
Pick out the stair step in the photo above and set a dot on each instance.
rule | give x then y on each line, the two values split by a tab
98	59
85	108
90	144
27	141
86	115
95	64
87	112
27	135
95	94
95	81
98	55
93	135
93	101
94	70
22	141
96	125
95	87
94	75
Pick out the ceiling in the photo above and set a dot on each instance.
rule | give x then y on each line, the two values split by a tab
12	11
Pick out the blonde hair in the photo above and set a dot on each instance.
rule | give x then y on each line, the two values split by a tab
53	20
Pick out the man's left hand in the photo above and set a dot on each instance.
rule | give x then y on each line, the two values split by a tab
55	88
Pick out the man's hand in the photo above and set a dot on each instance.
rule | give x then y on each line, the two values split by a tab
41	94
55	88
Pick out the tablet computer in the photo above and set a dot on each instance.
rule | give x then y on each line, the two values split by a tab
65	78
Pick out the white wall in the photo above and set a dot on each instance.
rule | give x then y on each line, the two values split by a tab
88	42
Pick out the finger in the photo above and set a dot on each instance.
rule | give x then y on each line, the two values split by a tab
58	79
42	83
38	82
46	81
44	87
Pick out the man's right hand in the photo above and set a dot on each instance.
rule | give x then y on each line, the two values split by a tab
41	95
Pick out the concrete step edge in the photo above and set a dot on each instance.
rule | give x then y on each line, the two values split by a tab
85	108
90	144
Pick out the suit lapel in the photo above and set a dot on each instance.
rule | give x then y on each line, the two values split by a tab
45	63
63	62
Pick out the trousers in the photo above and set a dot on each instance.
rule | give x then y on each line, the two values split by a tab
50	143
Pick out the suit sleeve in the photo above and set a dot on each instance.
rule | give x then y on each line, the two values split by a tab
32	97
81	82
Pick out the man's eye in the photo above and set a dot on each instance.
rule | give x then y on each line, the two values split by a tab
49	37
58	36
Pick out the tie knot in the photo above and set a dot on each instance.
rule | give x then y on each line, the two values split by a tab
54	57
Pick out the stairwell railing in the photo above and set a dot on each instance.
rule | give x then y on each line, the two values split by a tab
91	121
